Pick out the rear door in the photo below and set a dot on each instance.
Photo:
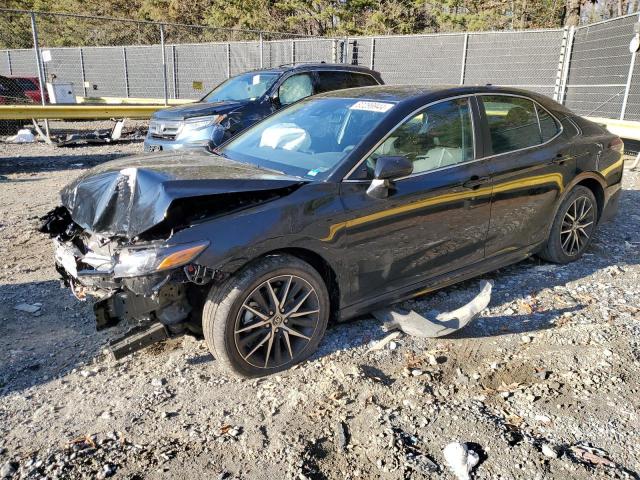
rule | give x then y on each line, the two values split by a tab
529	163
435	220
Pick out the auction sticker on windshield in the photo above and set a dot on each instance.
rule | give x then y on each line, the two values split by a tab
371	106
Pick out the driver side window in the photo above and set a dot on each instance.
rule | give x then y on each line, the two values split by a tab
439	136
295	88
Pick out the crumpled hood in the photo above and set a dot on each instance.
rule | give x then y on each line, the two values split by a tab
126	197
199	109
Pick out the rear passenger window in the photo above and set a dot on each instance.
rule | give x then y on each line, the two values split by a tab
549	128
439	136
513	123
361	80
329	81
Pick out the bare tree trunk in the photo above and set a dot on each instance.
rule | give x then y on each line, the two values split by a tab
623	7
634	6
572	14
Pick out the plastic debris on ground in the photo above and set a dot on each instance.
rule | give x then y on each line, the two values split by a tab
24	135
412	323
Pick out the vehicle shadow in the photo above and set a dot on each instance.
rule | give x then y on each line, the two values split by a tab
36	348
79	159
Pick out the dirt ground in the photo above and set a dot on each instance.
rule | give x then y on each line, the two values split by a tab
543	385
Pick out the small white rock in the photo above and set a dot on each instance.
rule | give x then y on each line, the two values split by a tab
158	382
549	451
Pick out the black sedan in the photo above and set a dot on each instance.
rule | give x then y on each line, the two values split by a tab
328	209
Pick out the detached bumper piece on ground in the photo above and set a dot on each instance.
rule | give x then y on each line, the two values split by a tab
414	324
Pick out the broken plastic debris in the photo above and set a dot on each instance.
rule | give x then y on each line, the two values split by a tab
24	135
461	459
445	323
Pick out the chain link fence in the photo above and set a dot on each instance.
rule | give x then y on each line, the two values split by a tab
600	70
590	69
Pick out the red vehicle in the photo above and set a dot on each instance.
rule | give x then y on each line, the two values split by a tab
31	88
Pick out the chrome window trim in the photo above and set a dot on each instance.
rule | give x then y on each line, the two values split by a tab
400	123
490	94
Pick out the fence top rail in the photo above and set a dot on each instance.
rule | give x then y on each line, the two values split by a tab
453	34
147	22
607	20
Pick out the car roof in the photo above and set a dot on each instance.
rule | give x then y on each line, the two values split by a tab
420	94
314	66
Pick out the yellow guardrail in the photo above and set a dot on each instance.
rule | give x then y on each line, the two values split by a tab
76	112
622	128
131	101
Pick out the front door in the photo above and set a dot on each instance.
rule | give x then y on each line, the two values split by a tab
433	221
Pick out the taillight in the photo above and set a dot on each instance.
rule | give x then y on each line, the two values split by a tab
617	144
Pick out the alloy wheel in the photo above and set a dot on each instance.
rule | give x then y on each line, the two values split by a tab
277	321
577	226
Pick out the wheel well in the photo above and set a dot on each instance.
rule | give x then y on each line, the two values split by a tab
593	185
325	270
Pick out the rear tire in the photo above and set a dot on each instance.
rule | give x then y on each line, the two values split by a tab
573	227
268	317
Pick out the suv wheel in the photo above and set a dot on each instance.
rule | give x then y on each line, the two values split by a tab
573	227
268	317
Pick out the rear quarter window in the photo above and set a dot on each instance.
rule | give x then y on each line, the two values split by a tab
362	80
549	127
26	84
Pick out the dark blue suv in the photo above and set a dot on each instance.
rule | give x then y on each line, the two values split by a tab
245	99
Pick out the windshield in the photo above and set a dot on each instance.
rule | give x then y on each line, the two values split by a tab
248	86
310	137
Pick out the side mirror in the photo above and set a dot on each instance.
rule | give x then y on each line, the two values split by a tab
387	169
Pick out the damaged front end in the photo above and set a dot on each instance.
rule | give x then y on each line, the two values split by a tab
117	235
155	287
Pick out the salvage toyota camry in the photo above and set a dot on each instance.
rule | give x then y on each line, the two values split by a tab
331	208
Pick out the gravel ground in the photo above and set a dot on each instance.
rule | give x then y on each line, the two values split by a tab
544	384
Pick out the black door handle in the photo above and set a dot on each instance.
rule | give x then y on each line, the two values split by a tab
475	182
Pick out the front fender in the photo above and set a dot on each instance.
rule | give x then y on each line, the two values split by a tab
298	220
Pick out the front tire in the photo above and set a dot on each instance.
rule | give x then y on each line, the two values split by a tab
573	227
268	317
